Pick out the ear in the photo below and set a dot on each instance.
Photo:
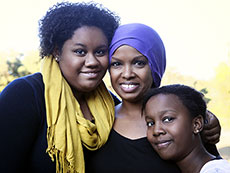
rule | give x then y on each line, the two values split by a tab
56	54
198	123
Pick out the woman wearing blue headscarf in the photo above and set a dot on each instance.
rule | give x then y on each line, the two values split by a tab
137	63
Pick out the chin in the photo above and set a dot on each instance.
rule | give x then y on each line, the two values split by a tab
86	88
166	156
130	97
91	86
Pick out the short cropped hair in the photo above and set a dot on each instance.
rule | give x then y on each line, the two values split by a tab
190	98
61	20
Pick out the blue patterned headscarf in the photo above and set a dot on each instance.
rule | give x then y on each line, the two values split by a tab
145	40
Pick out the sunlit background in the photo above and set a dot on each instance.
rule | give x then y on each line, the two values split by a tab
196	34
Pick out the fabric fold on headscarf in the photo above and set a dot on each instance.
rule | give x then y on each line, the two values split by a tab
67	129
145	40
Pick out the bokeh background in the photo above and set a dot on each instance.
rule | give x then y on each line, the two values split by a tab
196	34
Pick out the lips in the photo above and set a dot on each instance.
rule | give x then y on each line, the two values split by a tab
90	74
162	144
129	87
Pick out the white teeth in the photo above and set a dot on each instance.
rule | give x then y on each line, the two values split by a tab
128	86
90	74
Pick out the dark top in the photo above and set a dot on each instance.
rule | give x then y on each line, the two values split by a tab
23	127
123	155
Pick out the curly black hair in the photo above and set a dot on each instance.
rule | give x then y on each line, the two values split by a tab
190	98
61	20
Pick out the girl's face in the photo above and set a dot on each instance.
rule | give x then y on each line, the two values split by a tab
130	73
170	127
84	59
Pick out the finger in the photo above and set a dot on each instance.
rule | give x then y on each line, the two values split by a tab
212	120
212	139
212	124
210	132
209	113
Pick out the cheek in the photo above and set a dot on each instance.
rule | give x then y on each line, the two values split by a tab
70	65
104	62
183	134
149	135
113	75
151	138
148	79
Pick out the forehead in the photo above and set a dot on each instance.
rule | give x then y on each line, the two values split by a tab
160	104
127	52
163	101
89	35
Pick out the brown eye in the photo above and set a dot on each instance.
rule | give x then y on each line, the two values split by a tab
115	64
140	63
80	52
150	123
168	119
100	52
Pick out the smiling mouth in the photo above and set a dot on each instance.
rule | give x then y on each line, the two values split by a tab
128	86
163	144
90	74
131	87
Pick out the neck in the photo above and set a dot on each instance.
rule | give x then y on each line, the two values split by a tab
80	97
129	110
195	160
129	122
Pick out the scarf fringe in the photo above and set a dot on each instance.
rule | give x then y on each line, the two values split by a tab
62	165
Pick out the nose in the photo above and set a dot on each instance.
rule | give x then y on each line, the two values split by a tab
158	129
127	72
91	60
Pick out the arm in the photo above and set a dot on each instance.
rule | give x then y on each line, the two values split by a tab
212	129
211	133
18	125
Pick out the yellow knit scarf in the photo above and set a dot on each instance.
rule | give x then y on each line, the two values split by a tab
67	127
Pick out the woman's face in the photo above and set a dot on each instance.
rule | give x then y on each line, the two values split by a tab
84	59
170	128
130	74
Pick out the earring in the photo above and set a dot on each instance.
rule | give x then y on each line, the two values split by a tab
197	131
57	59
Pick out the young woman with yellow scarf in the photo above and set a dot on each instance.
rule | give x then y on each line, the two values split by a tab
50	116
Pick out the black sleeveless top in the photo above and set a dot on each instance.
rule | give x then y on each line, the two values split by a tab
123	155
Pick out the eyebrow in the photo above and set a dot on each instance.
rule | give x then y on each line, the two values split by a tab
101	46
79	44
136	57
161	113
140	56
